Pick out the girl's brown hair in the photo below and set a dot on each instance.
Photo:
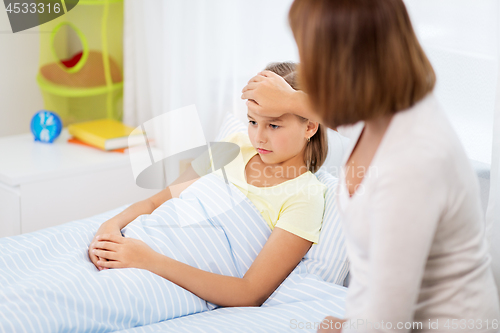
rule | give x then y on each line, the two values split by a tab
360	59
316	149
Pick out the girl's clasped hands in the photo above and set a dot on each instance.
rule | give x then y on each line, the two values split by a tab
115	251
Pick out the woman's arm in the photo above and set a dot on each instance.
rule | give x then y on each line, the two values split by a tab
279	256
270	95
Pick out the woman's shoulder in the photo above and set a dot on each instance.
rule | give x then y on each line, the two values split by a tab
424	126
423	136
421	143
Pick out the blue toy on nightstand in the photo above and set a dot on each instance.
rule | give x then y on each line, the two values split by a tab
46	126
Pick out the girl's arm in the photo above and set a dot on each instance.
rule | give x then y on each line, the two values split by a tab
148	205
279	256
173	190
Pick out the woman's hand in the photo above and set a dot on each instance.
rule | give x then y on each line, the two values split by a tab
331	324
268	94
105	228
122	252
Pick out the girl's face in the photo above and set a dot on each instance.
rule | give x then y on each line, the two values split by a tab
279	139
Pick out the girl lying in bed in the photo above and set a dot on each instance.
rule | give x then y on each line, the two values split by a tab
278	155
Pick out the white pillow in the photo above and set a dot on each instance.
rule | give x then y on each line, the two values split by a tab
337	146
328	258
230	125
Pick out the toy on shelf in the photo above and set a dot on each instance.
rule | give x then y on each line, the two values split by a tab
46	126
90	75
81	62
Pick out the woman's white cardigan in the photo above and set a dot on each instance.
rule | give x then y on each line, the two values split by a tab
415	232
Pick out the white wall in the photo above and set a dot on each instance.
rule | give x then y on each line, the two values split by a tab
20	96
461	40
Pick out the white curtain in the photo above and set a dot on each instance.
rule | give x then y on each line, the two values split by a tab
460	38
179	53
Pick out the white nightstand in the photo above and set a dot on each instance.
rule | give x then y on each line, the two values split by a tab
43	185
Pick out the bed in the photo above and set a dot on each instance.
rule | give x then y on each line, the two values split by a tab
49	283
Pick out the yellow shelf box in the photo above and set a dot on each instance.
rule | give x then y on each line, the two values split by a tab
81	62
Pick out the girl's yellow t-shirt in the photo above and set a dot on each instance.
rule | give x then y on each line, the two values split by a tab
296	205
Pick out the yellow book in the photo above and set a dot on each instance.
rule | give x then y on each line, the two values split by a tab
107	134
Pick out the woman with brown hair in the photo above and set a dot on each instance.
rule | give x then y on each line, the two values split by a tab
408	195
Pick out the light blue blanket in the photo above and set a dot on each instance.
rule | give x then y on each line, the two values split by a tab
48	284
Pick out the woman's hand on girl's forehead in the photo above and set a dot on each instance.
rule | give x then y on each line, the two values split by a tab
268	94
